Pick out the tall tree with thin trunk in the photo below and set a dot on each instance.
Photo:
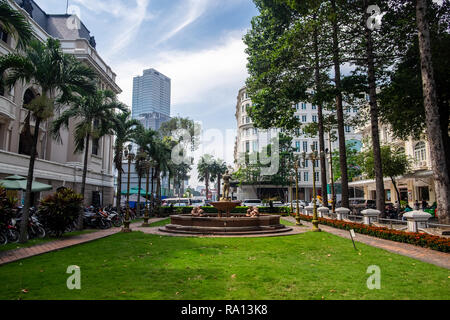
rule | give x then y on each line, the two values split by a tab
435	140
58	75
15	24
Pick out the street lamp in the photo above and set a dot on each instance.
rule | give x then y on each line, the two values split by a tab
297	217
315	221
147	170
333	195
130	156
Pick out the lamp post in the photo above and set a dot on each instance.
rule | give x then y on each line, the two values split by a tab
147	170
333	195
315	221
297	217
130	156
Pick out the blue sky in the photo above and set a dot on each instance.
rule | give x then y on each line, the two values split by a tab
196	43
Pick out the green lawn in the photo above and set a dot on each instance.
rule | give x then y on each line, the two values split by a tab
142	266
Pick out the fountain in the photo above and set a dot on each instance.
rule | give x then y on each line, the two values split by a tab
230	224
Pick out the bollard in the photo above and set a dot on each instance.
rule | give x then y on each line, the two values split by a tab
416	219
370	215
322	212
309	210
342	213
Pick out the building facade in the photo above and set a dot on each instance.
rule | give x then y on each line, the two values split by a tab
57	163
151	98
250	139
417	185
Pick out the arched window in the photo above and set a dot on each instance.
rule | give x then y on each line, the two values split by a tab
419	151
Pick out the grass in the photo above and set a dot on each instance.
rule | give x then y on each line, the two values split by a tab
143	266
36	241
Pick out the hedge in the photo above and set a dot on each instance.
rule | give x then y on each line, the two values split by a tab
415	238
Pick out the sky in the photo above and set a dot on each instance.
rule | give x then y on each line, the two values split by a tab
196	43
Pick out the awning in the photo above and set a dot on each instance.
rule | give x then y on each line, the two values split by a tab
20	183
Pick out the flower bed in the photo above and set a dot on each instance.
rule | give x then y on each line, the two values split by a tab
415	238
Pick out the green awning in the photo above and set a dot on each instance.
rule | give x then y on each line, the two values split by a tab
134	191
20	183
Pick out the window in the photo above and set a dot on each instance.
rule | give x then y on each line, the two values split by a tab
317	163
243	120
314	118
347	129
313	107
305	176
297	146
246	132
255	131
305	146
3	35
247	120
297	117
305	163
420	152
296	106
347	110
303	106
246	107
355	109
247	146
242	109
297	132
304	118
95	146
255	146
316	145
317	176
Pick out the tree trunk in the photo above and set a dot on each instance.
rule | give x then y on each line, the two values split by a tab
119	186
394	183
207	184
138	207
435	140
323	168
158	187
218	187
27	204
83	182
374	117
339	110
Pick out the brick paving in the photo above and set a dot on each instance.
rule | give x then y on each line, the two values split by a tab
437	258
22	253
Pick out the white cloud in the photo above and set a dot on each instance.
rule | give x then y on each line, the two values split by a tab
184	17
130	18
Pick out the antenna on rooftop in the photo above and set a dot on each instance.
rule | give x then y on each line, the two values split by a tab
67	6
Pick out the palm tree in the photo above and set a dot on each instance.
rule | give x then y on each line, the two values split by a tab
59	76
124	129
219	168
160	153
144	138
205	167
15	24
93	114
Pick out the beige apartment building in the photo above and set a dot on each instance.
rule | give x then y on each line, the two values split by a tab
57	164
416	185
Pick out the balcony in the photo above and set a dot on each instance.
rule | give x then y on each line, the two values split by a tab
7	108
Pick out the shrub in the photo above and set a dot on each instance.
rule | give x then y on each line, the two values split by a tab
7	205
59	210
415	238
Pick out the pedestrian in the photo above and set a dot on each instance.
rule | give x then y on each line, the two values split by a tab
416	205
424	204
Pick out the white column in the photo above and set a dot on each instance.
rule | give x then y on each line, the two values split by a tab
370	215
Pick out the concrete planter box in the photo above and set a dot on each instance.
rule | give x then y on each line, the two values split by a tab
308	210
322	212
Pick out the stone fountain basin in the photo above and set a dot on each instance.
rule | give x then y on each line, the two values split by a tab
208	224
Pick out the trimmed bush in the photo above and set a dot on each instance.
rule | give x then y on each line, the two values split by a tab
7	205
59	210
415	238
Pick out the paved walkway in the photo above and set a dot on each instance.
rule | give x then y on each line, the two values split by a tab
22	253
437	258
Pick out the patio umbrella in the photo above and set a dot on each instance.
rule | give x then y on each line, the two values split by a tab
134	190
16	182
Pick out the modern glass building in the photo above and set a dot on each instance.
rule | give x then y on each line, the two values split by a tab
151	98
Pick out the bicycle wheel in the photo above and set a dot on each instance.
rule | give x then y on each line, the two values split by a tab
13	235
3	238
117	222
39	232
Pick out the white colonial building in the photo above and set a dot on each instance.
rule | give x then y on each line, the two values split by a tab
57	163
250	139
